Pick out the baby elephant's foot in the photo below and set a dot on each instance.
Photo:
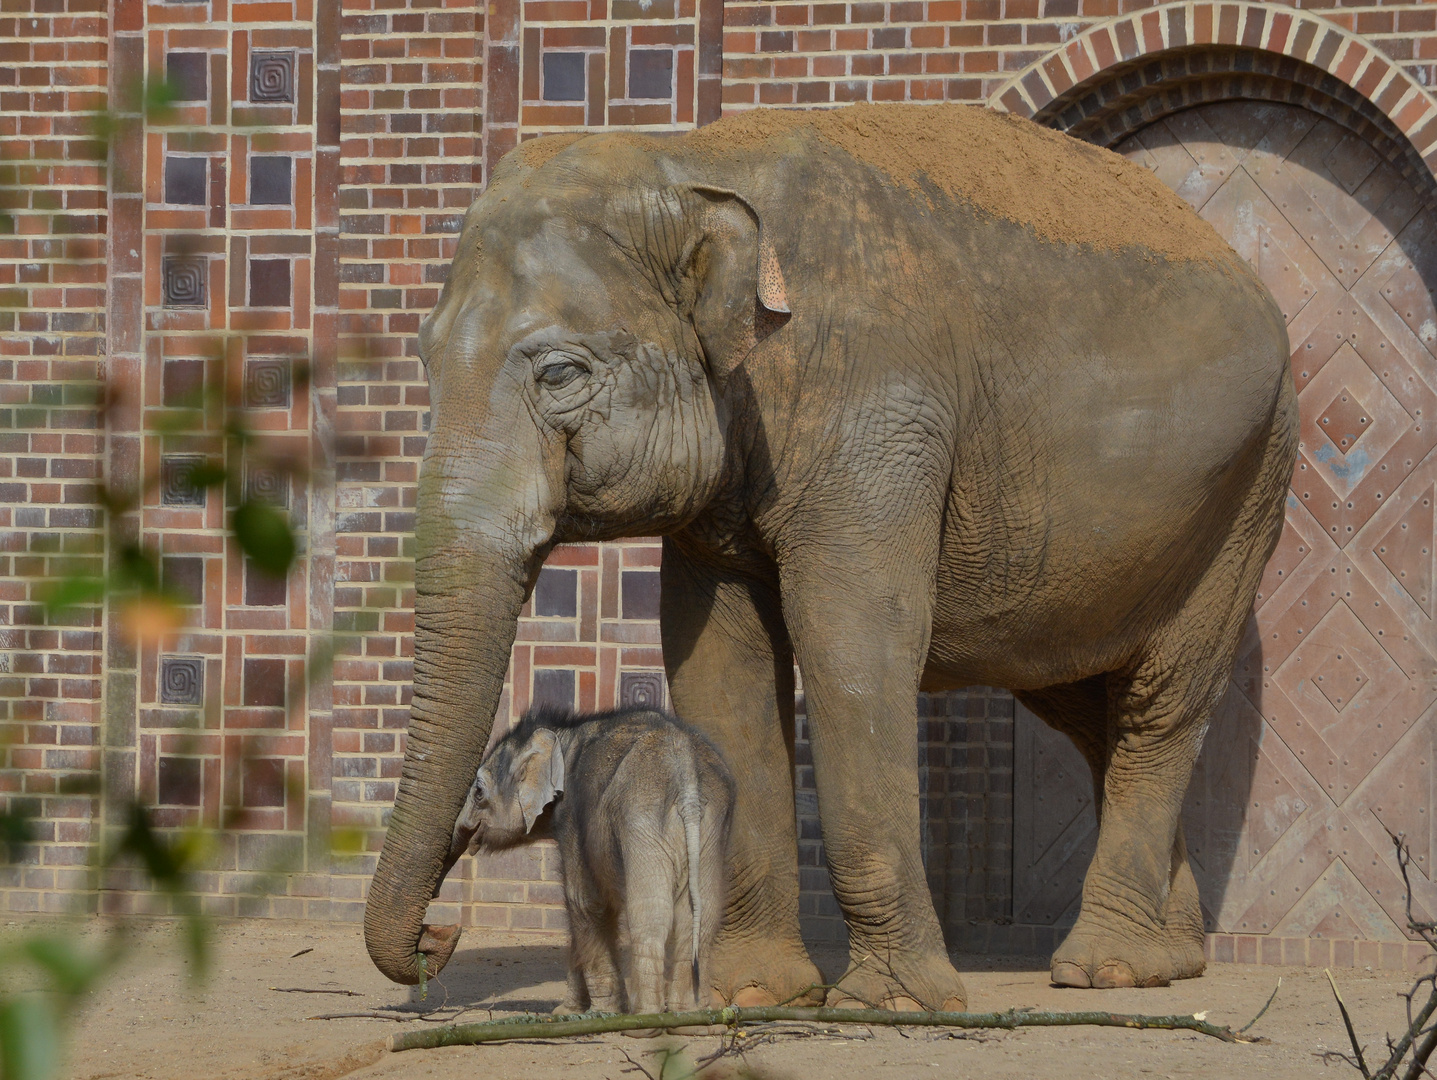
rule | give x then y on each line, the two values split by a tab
569	1008
901	981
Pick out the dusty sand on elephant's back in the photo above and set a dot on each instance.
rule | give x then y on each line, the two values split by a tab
1063	189
534	153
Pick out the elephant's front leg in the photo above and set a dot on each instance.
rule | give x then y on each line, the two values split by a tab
730	671
861	637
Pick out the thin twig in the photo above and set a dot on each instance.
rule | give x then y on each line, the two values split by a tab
371	1015
304	990
1264	1009
534	1027
1346	1019
636	1066
837	984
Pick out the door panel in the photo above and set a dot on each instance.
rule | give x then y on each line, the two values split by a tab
1325	737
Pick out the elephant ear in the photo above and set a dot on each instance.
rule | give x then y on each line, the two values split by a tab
541	775
730	284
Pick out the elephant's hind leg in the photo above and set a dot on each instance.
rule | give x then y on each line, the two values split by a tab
1080	711
1140	923
1122	936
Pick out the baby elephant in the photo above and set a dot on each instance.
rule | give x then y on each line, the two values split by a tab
642	805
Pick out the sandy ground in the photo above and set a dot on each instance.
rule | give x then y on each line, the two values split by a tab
151	1021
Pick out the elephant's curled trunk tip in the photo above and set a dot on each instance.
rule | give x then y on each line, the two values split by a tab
431	953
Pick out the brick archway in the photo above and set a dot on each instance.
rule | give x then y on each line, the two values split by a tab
1119	56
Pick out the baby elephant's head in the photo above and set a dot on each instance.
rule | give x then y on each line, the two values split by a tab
522	775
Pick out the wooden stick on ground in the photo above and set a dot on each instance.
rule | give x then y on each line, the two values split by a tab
558	1027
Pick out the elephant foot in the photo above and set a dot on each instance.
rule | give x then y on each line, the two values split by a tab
1105	960
903	982
763	972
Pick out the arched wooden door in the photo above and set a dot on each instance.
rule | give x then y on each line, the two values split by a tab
1325	737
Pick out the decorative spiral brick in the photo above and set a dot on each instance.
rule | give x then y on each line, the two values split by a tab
642	689
177	487
271	76
184	279
182	680
266	384
266	484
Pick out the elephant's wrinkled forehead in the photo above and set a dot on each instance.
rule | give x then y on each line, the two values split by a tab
531	270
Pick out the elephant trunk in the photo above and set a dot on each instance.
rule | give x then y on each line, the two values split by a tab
466	610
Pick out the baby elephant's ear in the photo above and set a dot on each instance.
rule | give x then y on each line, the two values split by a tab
542	776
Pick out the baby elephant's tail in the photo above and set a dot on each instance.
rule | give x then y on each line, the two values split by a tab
691	813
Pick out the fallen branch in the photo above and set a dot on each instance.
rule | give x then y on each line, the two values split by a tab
1263	1011
303	990
370	1015
558	1027
1359	1062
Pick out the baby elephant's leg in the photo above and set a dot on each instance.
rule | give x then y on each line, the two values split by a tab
649	908
576	993
594	963
594	981
679	990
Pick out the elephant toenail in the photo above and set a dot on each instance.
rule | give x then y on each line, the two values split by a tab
1114	976
1069	974
754	997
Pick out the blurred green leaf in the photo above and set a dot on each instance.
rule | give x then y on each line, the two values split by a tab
237	430
15	831
72	592
79	784
346	840
141	840
138	568
159	100
183	419
72	968
29	1042
264	535
207	475
197	942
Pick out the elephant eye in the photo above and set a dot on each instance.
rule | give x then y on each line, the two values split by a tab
556	371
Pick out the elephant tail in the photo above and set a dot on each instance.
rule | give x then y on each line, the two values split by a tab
691	814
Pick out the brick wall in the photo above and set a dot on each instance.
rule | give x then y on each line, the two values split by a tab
281	233
411	109
52	326
794	52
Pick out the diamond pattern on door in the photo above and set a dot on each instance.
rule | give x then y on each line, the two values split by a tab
1325	737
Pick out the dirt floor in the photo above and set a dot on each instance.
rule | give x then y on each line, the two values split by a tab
152	1022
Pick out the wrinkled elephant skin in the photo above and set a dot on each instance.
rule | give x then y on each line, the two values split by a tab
917	397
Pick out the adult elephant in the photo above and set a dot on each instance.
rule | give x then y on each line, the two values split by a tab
919	396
